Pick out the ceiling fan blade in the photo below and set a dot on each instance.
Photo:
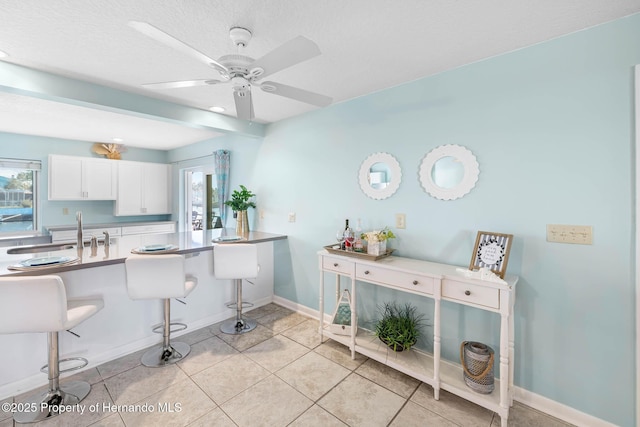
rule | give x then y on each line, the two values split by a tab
244	104
291	53
296	93
164	38
180	84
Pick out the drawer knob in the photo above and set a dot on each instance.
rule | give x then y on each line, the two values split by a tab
335	264
415	282
467	293
366	272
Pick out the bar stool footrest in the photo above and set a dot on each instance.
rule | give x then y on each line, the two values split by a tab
234	305
83	362
160	328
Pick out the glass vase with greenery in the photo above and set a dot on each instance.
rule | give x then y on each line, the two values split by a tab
240	200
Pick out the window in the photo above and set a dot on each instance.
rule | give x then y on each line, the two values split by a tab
18	196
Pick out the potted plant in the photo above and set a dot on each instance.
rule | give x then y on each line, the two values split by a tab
240	202
377	240
399	327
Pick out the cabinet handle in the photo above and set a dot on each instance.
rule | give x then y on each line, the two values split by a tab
467	293
415	282
366	272
335	264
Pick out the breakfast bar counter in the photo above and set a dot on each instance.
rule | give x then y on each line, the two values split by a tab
120	248
124	325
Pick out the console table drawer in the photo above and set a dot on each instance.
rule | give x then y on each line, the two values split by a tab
410	281
337	265
473	294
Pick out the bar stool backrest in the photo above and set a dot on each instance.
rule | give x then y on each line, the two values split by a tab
32	304
235	261
156	276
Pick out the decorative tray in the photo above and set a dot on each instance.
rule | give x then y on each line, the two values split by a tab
335	249
154	249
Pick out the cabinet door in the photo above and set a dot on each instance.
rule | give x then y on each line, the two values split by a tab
65	178
81	178
157	189
99	179
143	189
129	197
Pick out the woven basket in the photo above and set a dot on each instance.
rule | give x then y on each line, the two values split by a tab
477	362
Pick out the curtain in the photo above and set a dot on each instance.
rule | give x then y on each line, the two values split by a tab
222	176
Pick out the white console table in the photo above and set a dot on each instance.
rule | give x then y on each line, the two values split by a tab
439	282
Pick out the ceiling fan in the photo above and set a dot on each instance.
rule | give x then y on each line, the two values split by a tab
241	71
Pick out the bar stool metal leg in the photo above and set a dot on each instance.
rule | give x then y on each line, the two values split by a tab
46	405
239	325
168	353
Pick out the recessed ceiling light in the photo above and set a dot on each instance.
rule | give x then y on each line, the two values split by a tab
117	139
3	54
217	109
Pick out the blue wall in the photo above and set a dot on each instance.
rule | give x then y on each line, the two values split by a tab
552	129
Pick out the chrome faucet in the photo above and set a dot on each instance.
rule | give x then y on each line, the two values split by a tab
106	238
79	228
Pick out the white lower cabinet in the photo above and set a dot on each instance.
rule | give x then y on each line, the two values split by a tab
143	189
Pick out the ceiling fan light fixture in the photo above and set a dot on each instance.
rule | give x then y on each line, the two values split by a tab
240	36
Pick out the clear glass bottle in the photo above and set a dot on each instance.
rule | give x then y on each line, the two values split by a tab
358	245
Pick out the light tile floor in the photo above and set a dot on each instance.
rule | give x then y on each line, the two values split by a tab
280	374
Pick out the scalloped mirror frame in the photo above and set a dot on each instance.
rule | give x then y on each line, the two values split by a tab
394	168
471	172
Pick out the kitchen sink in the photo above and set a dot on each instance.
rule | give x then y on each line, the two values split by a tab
40	248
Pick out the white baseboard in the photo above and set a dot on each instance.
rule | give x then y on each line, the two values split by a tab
558	410
526	397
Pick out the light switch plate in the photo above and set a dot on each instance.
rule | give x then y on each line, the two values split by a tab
576	234
401	220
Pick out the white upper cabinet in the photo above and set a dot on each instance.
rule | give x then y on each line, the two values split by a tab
143	189
81	178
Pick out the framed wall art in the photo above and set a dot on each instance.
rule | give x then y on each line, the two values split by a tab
491	251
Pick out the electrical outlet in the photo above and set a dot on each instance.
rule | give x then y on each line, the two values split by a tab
576	234
292	217
65	211
401	220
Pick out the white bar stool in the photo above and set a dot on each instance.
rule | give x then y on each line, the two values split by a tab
40	304
236	261
160	277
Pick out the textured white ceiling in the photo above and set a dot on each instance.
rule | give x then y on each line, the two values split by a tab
367	45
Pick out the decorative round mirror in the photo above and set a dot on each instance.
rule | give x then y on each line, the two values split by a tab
379	176
448	172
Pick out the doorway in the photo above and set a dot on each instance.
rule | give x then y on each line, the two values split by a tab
201	199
